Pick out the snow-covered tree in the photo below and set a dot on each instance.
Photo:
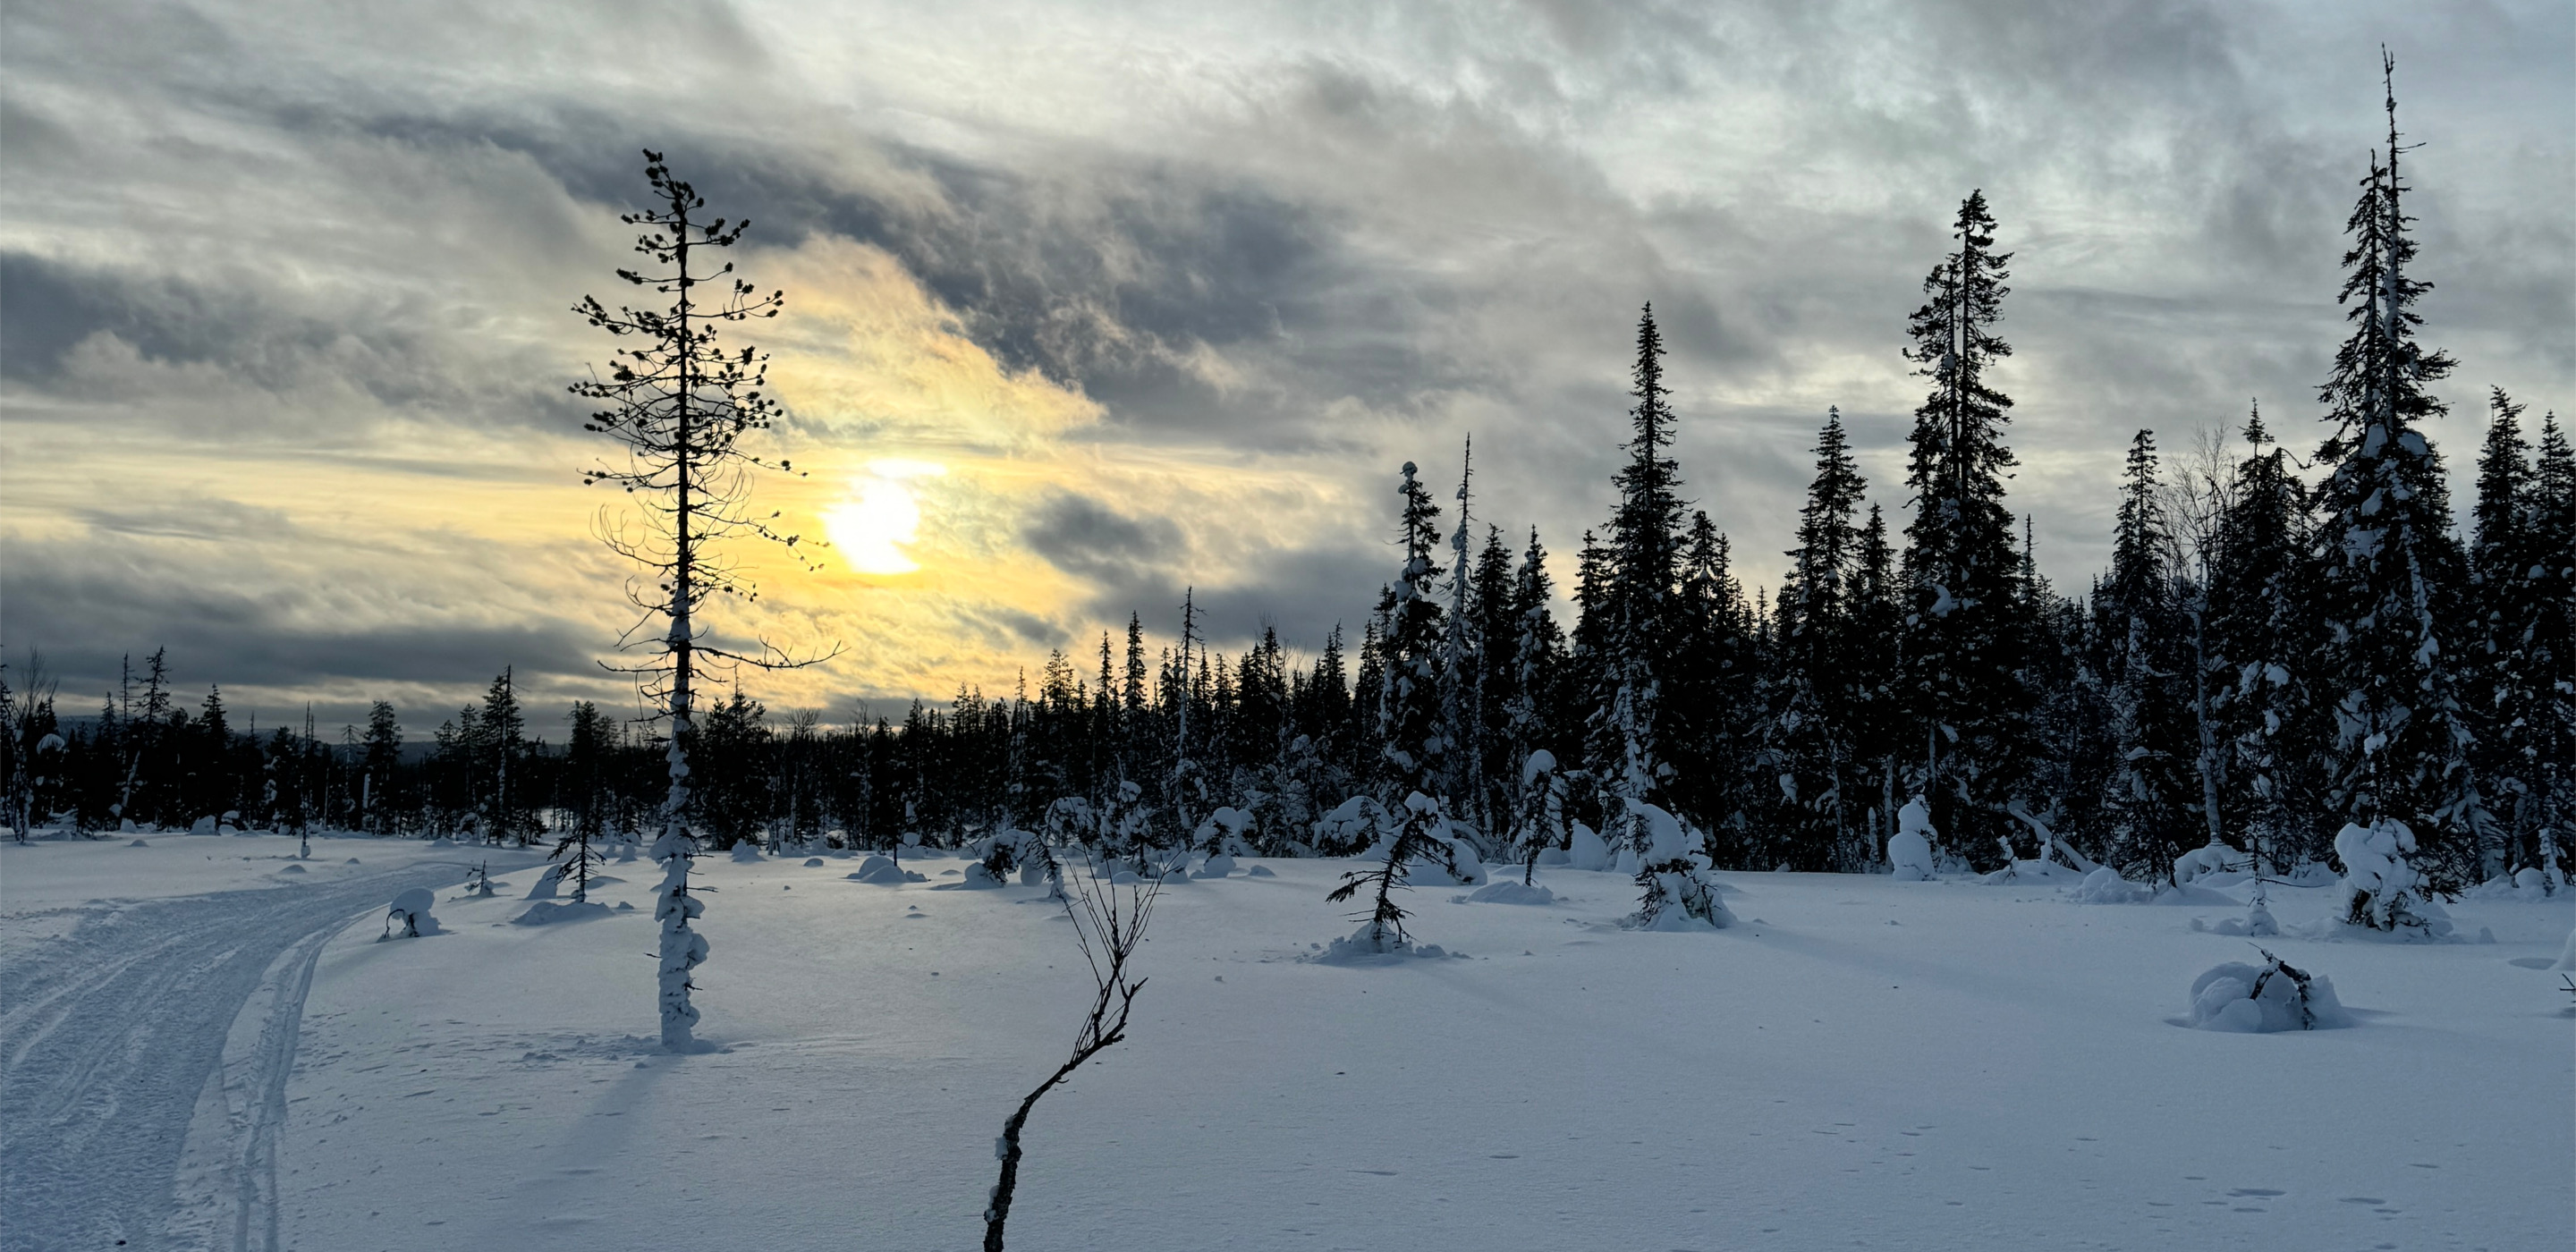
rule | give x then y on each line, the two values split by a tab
2389	569
1964	631
2510	651
2262	639
2153	783
680	404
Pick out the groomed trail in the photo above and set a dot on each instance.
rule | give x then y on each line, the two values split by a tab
147	1016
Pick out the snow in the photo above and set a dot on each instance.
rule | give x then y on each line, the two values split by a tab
2249	999
1508	892
2001	1070
1909	850
1587	850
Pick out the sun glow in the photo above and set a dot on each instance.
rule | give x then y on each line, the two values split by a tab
871	528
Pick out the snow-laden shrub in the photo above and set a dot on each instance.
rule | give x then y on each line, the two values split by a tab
2210	858
2270	997
1909	850
1222	831
1675	893
410	910
2256	924
2380	890
1217	866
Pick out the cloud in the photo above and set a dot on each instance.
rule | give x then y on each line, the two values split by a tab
1168	290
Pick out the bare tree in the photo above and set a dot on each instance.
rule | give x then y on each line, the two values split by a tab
681	405
1108	925
2196	499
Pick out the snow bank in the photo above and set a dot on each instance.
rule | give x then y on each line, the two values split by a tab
549	912
2256	924
2032	872
1508	893
747	853
1909	850
2273	996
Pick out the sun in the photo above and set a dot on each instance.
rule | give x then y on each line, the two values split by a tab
881	516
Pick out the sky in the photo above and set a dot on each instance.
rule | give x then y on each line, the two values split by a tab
1089	304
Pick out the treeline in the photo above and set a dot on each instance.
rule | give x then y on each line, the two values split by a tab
2276	651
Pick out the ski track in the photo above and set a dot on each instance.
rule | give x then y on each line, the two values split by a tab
114	1038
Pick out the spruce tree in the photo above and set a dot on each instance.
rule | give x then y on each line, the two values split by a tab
1809	729
1641	566
2263	640
2152	784
1964	635
2554	645
2390	573
2508	577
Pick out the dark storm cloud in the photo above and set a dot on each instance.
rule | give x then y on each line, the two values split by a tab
84	617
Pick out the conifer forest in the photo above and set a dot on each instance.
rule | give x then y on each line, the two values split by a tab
802	626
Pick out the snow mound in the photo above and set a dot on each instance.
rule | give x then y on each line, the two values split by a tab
548	912
882	870
1909	850
2210	858
1217	866
1370	945
2567	955
2031	872
1586	850
291	869
1259	871
544	887
2260	999
2256	924
2105	886
979	877
139	843
745	853
813	862
1507	893
2525	885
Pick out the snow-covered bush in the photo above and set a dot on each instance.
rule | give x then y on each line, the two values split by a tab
1909	850
1674	891
883	871
411	909
2274	996
2380	890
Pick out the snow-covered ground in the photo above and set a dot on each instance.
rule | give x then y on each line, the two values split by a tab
1861	1062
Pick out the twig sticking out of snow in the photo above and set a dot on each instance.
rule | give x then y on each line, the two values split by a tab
1108	925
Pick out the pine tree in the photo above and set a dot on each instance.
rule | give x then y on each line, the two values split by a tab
1409	728
2263	639
2507	590
2553	652
1965	629
383	747
1538	654
2152	783
503	747
1462	694
2391	572
1641	566
1809	730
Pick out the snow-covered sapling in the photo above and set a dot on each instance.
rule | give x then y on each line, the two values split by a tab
1542	817
1672	890
1909	850
1419	834
478	879
2380	890
1108	926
